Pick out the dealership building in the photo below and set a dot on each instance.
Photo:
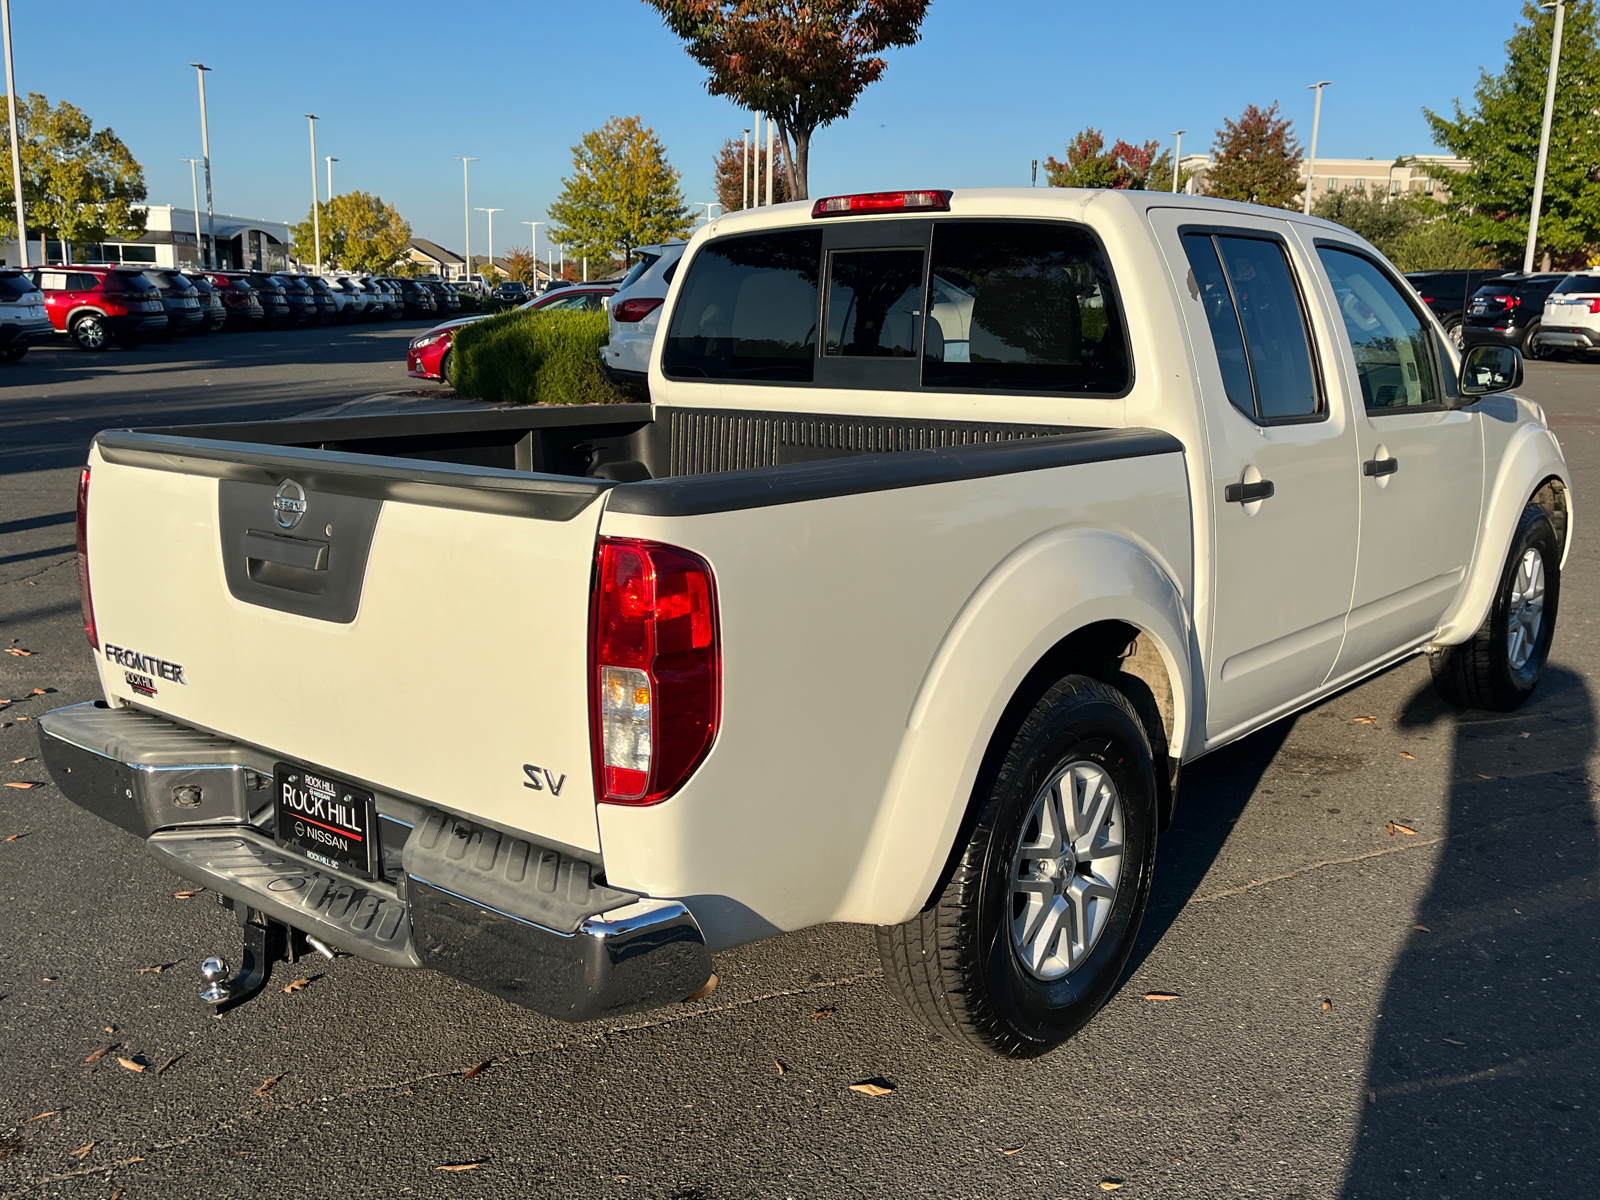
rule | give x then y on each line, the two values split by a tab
171	240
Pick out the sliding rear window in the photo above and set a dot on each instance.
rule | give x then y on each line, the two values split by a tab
1022	306
748	310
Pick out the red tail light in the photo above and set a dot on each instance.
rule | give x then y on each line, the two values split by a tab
873	202
1594	305
655	669
84	597
630	311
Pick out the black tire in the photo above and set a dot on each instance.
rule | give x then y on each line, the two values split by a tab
89	332
13	354
1482	671
445	364
955	966
1530	341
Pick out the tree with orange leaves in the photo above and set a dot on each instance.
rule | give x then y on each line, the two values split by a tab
801	62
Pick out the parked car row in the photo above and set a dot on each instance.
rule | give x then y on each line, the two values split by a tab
100	305
429	354
1546	314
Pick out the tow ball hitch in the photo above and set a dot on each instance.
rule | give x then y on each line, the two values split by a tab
266	942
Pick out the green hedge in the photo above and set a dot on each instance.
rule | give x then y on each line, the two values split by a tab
533	358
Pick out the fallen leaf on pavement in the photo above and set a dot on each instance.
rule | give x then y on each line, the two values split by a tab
116	1195
23	786
82	1150
1110	1185
1453	1042
778	1065
99	1054
19	652
823	1012
268	1085
155	970
15	761
1366	720
111	1028
162	1069
38	691
297	985
132	1065
1424	928
1015	1149
471	1166
872	1087
1405	829
1161	995
13	837
1406	754
188	895
1326	1005
51	978
54	1112
474	1072
1481	775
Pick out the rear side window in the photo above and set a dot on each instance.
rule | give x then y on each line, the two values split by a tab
748	310
82	281
1582	284
1257	324
1395	358
14	287
1021	306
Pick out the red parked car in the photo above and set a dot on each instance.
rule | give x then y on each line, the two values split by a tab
96	306
428	356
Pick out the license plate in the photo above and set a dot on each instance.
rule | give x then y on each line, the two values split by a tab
1478	310
326	820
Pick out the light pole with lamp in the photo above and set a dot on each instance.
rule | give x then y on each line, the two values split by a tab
466	213
1177	157
330	160
1544	137
16	144
533	246
708	205
744	174
194	186
205	150
491	212
1316	125
316	216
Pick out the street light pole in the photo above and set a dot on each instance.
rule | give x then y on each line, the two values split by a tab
16	139
770	128
708	205
491	212
1544	137
744	174
533	246
1316	124
205	149
466	214
316	218
330	160
194	185
1177	157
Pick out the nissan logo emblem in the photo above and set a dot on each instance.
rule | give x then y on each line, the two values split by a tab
289	504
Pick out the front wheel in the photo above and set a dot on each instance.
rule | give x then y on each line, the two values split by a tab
1456	332
445	367
90	333
1028	938
1498	668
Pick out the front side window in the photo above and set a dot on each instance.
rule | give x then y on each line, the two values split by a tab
874	303
1257	325
1022	306
1395	359
748	310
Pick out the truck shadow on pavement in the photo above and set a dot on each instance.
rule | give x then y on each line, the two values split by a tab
1485	1067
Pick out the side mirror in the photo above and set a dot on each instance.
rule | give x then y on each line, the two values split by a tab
1488	369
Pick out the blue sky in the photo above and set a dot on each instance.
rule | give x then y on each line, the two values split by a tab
404	86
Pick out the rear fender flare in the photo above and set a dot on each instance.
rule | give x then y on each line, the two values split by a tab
1532	458
1042	593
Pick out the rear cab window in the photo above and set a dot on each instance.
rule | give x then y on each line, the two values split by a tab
1583	285
956	304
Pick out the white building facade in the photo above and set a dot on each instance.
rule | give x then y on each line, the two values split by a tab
170	239
1406	176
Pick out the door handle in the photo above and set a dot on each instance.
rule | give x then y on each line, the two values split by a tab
1380	466
1244	493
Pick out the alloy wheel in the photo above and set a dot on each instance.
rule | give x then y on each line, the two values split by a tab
1525	613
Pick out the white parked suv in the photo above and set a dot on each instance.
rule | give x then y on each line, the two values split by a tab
634	314
958	524
1571	320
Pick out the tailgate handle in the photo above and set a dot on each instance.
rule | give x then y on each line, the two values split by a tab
286	551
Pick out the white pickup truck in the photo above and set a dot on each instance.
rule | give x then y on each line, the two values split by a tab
956	524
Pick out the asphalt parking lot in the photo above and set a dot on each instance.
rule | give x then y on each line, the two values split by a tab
1360	1011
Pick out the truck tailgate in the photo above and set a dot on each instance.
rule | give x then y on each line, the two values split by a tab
446	663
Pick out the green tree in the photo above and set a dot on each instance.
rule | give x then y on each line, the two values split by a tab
622	193
1125	166
79	184
359	233
1439	245
802	62
1256	159
728	167
1383	222
1500	136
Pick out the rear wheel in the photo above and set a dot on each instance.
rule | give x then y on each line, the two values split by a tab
90	333
1532	347
1030	935
13	354
445	366
1498	668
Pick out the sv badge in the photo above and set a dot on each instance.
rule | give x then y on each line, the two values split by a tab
540	779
